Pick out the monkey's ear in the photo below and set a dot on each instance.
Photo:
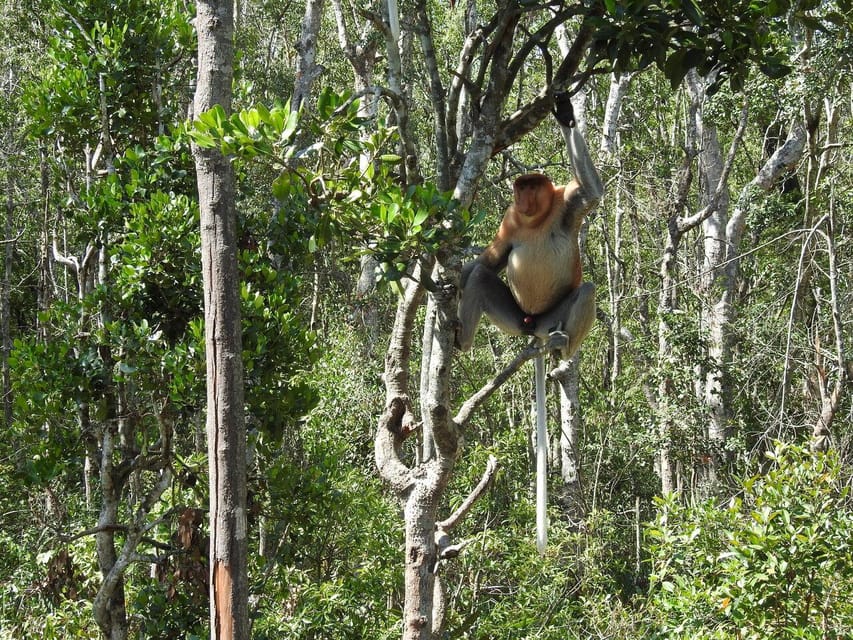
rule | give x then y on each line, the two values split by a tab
563	110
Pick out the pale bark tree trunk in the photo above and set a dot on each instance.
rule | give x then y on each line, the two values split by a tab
782	160
714	190
711	382
662	402
568	383
419	487
831	387
226	430
619	84
831	378
831	392
44	252
307	68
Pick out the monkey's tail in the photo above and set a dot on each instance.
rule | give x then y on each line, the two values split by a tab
541	459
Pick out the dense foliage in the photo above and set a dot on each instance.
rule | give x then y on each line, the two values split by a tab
103	343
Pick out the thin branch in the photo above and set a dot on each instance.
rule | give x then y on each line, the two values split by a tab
685	224
786	372
460	80
530	115
437	95
106	528
536	40
822	430
68	261
456	517
12	240
473	403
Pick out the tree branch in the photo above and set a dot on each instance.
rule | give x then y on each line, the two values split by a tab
437	94
449	523
473	403
529	116
396	420
685	224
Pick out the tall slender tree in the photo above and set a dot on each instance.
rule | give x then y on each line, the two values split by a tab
226	429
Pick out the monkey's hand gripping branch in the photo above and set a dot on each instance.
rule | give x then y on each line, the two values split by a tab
563	110
582	163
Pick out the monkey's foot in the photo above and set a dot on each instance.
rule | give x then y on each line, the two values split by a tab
558	341
442	290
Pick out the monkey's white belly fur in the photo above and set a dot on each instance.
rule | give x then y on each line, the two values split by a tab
540	273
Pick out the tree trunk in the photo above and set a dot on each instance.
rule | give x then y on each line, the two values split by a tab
226	430
307	69
662	402
712	389
619	84
568	383
109	604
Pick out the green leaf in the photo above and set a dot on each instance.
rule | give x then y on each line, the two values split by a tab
202	140
392	212
281	186
693	12
420	216
676	68
290	127
251	118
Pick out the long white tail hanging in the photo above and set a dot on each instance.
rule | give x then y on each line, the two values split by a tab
541	459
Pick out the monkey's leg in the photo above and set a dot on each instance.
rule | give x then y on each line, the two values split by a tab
485	292
573	316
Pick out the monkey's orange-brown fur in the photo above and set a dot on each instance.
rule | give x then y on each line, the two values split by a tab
537	242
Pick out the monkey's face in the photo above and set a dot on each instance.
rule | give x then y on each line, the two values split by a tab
532	195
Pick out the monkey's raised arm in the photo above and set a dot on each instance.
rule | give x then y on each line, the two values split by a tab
585	173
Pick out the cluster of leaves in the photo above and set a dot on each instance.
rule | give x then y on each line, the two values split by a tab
123	46
777	562
683	35
361	199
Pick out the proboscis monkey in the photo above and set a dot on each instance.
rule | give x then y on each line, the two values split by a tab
537	244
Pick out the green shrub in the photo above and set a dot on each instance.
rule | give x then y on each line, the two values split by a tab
776	562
